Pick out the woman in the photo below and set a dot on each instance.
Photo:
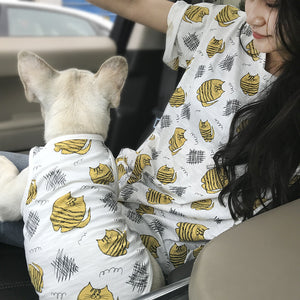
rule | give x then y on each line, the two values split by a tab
270	143
170	186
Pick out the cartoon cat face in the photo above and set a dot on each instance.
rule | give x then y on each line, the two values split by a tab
114	243
177	140
68	213
36	275
102	174
88	292
166	175
190	232
178	255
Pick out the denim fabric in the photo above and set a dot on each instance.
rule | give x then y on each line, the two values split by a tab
11	233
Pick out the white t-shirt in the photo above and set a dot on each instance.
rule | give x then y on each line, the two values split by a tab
76	240
169	186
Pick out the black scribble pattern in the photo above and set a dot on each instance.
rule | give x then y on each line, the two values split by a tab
148	179
178	190
139	277
168	263
55	179
36	150
227	63
110	202
217	220
157	226
200	71
195	157
175	212
210	68
231	107
191	41
246	30
64	266
126	192
134	216
165	121
32	223
186	111
155	154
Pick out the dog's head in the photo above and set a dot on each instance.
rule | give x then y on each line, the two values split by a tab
73	101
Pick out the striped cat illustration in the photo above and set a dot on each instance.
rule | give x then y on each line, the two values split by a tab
294	179
141	162
152	137
120	167
215	46
227	15
32	192
188	62
155	197
151	243
206	204
250	84
242	125
252	51
257	203
114	243
213	183
190	232
88	293
210	91
178	98
73	146
177	140
36	276
68	213
197	251
103	174
207	131
178	255
195	14
145	209
166	175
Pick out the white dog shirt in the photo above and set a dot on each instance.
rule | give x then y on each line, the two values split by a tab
72	201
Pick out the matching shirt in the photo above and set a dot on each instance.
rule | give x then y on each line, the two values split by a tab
169	186
76	241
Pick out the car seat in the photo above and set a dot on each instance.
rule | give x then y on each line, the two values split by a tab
257	259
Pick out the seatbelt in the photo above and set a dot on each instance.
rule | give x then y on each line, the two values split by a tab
120	33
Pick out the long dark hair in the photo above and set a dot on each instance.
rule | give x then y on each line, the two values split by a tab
264	136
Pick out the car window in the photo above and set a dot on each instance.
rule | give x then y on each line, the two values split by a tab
36	22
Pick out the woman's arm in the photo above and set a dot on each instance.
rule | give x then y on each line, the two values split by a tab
152	13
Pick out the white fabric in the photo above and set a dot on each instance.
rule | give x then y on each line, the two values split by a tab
62	237
190	158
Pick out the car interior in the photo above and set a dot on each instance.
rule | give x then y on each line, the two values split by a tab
254	260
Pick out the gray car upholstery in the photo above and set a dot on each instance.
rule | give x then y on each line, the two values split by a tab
258	259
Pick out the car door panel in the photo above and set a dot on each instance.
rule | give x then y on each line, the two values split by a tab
21	124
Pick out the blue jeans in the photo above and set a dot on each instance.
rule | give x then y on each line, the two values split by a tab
12	232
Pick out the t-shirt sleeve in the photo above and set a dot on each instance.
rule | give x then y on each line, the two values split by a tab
186	26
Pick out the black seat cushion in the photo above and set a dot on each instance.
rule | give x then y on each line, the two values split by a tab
14	279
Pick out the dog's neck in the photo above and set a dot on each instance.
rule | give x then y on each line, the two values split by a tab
65	126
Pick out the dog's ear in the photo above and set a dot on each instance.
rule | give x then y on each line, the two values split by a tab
34	73
111	78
